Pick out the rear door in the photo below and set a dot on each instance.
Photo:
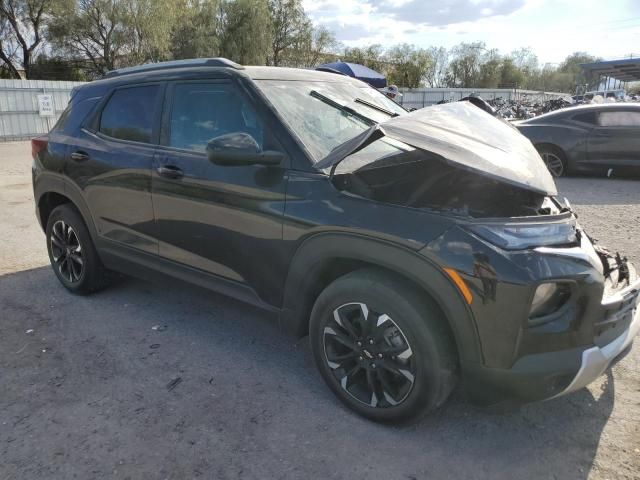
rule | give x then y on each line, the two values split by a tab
615	141
110	161
224	220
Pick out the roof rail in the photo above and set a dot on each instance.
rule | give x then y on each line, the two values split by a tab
192	62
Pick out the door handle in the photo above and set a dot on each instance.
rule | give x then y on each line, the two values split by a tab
170	171
79	156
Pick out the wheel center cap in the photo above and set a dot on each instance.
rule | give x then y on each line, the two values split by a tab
367	353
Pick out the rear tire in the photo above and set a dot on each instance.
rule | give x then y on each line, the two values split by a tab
382	346
555	160
73	256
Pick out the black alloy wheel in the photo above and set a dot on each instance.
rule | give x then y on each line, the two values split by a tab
369	355
66	251
71	251
383	346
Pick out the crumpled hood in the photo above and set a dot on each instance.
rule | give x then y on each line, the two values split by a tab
464	136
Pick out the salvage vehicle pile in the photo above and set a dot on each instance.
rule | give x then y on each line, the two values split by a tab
524	109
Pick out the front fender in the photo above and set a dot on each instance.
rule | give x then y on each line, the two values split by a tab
315	251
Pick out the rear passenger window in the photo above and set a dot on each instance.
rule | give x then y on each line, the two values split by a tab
620	119
204	111
130	112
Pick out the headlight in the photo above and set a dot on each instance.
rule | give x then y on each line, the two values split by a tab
517	236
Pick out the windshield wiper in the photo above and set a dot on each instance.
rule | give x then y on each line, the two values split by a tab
377	107
342	108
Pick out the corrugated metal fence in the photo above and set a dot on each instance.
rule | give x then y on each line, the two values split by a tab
20	119
423	97
19	112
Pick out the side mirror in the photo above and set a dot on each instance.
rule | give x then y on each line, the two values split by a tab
238	149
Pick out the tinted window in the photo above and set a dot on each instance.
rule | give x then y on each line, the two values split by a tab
74	114
620	119
587	117
130	113
62	120
203	111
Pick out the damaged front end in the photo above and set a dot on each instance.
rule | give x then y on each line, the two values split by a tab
551	308
453	158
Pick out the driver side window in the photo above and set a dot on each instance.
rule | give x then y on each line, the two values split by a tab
204	111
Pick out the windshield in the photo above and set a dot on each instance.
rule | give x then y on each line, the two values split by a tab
320	126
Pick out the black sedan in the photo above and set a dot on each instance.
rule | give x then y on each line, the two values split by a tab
591	138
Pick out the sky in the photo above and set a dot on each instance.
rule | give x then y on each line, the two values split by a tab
553	29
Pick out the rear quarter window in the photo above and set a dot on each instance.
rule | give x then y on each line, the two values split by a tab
73	116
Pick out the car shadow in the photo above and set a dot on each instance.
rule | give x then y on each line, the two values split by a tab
168	378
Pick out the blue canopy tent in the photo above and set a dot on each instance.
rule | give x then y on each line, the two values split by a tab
355	70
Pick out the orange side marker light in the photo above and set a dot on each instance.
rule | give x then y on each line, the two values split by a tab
457	279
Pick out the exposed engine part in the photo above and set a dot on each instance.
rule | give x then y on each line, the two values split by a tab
427	182
616	268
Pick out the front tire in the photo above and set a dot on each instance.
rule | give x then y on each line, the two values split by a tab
382	346
71	251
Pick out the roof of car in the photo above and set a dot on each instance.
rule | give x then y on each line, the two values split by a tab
584	108
204	67
299	74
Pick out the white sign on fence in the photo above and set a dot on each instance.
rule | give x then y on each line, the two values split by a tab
45	106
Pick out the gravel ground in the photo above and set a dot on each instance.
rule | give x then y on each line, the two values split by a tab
91	392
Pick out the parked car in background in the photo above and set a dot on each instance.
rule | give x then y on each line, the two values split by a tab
417	250
589	138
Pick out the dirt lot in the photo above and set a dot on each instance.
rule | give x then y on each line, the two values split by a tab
86	394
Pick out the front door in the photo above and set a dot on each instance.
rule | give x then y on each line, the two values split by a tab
224	220
615	141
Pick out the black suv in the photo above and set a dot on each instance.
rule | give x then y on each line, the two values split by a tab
416	249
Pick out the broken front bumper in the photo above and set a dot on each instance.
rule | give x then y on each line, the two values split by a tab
596	359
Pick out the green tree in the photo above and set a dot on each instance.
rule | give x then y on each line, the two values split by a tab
490	73
371	56
93	29
22	27
571	66
312	48
196	31
409	65
464	69
246	31
149	23
510	75
290	26
435	75
114	33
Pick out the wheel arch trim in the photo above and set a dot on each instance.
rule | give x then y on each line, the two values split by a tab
49	183
316	251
